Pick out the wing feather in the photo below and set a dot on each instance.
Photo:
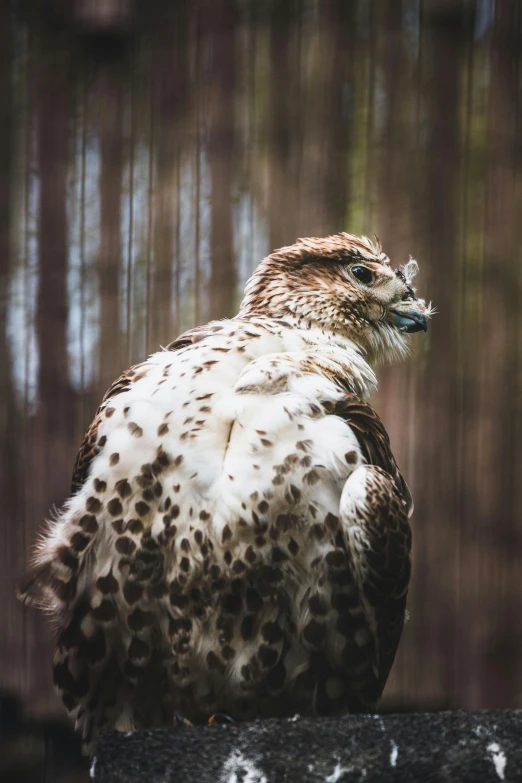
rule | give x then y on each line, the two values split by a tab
90	446
373	440
374	514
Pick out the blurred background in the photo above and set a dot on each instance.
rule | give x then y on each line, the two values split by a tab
152	152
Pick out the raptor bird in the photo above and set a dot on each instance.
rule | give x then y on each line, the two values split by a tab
237	536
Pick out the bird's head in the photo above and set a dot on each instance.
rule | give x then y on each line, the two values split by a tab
344	284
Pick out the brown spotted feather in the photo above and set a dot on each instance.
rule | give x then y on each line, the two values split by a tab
373	439
90	445
237	536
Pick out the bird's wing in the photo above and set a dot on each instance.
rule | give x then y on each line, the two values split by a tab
41	584
374	510
42	579
90	445
373	439
85	561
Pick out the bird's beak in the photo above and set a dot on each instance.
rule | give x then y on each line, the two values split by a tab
409	320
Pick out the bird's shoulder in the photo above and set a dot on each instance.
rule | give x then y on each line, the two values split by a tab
193	356
373	439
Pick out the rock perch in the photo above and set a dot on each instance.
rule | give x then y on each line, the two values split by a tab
429	747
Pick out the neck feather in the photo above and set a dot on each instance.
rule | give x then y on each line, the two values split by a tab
328	353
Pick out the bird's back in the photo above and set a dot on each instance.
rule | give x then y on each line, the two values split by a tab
202	564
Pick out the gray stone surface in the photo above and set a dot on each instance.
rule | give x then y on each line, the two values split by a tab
445	746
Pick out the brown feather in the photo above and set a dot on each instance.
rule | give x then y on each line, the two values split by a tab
374	440
88	448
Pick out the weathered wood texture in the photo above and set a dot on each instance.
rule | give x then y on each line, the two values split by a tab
145	171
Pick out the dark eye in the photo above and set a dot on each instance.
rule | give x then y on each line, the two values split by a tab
363	274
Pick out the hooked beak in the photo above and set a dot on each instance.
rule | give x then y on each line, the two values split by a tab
409	321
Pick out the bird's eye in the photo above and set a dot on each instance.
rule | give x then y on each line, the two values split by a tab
363	274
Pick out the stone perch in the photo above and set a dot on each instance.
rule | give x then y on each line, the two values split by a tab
428	747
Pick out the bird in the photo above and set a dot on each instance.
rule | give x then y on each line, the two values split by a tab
237	538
